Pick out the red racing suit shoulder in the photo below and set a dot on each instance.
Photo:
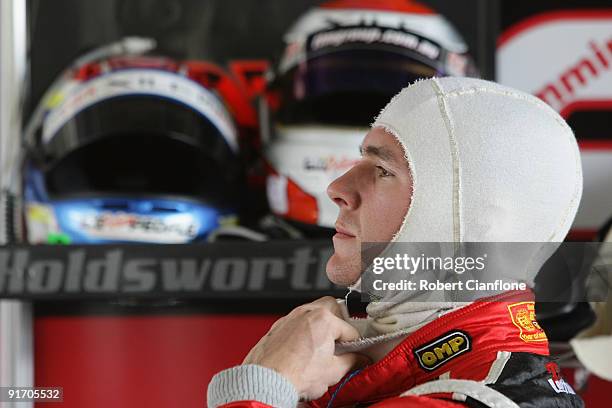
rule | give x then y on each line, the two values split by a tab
492	353
398	402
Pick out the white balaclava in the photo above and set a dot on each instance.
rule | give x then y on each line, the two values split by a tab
489	164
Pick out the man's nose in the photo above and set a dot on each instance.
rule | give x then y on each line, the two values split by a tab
343	190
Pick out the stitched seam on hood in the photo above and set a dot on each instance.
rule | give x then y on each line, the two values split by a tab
448	122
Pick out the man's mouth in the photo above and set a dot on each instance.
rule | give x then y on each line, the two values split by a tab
343	233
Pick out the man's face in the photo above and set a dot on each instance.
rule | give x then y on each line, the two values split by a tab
373	196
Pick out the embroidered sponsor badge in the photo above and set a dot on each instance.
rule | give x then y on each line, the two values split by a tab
523	317
443	349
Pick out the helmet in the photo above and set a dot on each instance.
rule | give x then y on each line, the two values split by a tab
134	148
343	62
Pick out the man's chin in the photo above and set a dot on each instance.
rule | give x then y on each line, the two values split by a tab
343	270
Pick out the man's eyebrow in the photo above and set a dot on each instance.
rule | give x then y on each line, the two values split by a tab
378	151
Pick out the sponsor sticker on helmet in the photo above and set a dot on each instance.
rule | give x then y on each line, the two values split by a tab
523	317
362	34
129	227
443	349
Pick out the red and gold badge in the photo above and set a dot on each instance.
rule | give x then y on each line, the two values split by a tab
523	317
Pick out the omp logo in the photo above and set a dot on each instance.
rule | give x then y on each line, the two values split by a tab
442	350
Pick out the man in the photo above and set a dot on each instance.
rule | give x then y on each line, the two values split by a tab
448	160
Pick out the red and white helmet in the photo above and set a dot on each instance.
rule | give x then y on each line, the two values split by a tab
128	147
342	63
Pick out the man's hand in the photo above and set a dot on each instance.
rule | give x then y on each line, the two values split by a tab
300	346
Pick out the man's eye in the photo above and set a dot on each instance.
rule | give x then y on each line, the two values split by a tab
382	172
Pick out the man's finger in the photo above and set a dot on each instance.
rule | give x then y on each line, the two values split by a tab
342	331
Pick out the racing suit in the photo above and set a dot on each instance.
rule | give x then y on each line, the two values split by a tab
490	353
